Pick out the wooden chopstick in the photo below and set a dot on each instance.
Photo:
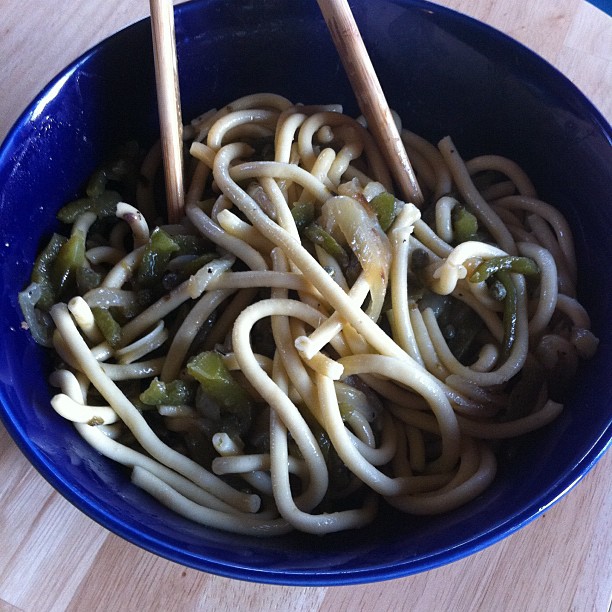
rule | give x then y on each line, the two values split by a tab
370	96
169	104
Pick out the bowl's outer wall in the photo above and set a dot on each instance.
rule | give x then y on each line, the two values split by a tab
444	74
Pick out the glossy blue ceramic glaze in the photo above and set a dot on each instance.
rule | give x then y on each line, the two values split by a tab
445	74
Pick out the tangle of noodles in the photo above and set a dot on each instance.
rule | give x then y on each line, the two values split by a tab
303	344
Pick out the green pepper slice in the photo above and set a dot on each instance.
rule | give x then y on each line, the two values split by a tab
303	214
218	383
70	258
157	254
465	224
510	314
383	205
41	272
103	205
39	323
173	393
108	326
317	235
513	263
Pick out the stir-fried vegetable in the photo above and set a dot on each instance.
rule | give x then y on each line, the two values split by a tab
70	257
510	311
384	205
364	236
37	320
157	254
512	263
173	393
303	214
41	273
465	224
317	235
219	384
103	205
110	328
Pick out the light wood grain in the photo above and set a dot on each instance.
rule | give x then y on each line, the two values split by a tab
52	557
169	105
370	96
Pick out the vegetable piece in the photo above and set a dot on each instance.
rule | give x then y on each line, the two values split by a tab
364	236
103	206
510	311
513	263
157	254
525	392
70	258
189	244
123	168
303	215
459	324
190	267
110	329
358	224
384	206
96	184
41	273
317	235
174	393
465	224
39	323
87	278
219	384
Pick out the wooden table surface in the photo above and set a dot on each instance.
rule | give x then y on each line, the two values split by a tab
52	557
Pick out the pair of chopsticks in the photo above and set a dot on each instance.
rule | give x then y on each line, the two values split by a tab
358	66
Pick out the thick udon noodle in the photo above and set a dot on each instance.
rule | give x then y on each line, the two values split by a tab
360	366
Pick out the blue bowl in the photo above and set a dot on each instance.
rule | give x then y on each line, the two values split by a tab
445	74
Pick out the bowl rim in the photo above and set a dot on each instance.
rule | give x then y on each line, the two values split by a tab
321	577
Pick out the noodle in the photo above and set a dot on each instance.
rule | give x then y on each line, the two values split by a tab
304	345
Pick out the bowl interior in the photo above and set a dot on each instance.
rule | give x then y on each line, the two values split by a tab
444	74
